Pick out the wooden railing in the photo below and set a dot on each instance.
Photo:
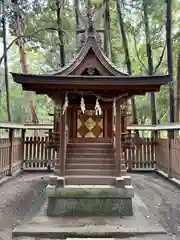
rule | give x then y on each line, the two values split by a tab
165	151
37	155
11	148
10	156
168	156
18	151
139	153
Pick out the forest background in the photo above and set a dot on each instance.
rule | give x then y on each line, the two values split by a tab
48	26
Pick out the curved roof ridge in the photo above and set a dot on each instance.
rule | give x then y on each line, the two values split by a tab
74	63
106	61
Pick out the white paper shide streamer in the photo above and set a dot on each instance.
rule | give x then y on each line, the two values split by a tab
98	107
82	105
66	102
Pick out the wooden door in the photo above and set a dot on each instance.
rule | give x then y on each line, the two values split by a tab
90	125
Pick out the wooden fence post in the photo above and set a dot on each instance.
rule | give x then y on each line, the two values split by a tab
170	135
11	131
49	163
23	133
130	154
155	148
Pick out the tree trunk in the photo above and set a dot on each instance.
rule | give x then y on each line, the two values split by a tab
5	62
61	46
76	4
169	56
107	30
60	33
150	59
29	96
127	57
177	112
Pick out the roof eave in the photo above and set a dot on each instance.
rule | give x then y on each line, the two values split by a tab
89	80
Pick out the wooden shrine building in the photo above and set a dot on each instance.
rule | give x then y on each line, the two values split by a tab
90	139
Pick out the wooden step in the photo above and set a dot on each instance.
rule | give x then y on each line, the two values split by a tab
90	180
90	155
90	166
90	160
90	145
90	150
91	140
91	172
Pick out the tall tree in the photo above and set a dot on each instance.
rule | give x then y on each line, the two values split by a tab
150	58
107	43
5	60
29	96
177	112
169	56
76	4
59	9
127	56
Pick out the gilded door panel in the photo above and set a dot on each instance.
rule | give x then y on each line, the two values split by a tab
89	125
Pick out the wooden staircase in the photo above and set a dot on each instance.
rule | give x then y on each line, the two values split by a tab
90	163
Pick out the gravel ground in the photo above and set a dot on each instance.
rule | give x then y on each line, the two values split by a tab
21	199
162	198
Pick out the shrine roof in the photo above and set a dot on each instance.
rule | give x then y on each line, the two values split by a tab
120	80
67	78
107	86
90	44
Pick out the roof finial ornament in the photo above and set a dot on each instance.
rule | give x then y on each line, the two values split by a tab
91	30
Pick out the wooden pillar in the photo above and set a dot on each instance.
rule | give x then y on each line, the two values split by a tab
23	134
49	151
154	148
62	123
11	131
130	156
170	137
118	138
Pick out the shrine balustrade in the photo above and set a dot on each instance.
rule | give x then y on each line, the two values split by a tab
33	147
24	147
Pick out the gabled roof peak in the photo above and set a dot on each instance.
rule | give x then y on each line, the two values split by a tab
90	45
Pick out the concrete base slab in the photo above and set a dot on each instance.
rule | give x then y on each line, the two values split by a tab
139	226
83	207
91	201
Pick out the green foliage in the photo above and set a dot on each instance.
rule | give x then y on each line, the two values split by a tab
43	48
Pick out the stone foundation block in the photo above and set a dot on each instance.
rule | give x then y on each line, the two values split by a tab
85	207
50	190
90	201
57	181
120	183
60	182
127	180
